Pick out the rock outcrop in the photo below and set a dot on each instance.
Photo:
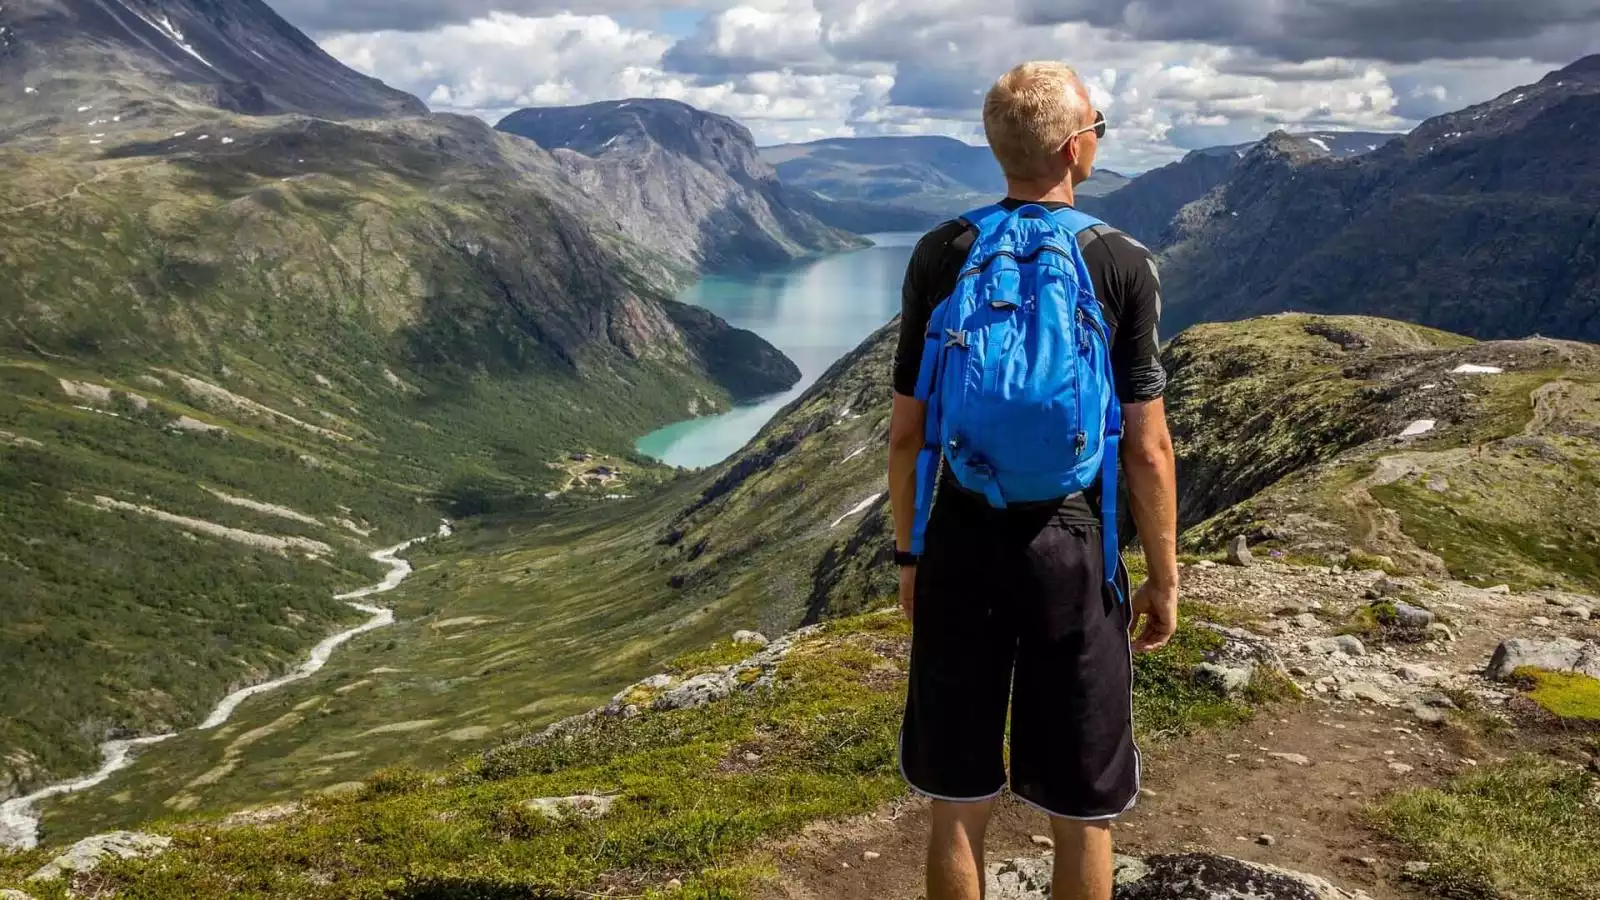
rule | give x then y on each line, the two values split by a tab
1198	876
664	692
87	854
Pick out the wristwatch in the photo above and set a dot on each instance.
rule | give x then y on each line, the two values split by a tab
906	560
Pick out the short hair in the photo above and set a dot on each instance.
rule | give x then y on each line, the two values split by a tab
1029	113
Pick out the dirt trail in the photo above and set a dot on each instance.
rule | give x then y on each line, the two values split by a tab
1358	730
1381	527
75	192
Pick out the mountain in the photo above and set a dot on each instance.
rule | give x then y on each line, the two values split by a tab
1146	206
1480	222
240	353
626	739
686	183
67	62
1261	409
927	178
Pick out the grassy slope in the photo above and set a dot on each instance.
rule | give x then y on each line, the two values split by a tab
396	286
541	608
690	803
1282	434
1521	829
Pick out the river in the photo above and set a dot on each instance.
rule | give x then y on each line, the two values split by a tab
814	311
19	821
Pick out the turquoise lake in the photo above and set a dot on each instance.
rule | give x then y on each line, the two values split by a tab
815	312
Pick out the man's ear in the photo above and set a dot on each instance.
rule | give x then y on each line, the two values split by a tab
1069	152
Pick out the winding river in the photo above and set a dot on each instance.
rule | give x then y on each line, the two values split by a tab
19	822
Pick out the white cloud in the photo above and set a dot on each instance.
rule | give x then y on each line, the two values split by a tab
803	69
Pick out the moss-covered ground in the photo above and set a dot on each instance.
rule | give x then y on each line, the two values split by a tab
1525	828
1569	696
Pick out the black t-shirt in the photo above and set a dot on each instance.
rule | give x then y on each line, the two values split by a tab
1126	282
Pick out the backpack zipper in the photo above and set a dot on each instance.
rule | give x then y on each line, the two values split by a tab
1026	258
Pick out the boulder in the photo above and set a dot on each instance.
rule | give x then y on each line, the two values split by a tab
750	637
1412	616
87	854
1365	690
9	894
1388	587
1190	876
1232	666
1347	644
1239	552
1428	715
1417	673
698	691
582	806
1229	681
1576	612
1440	632
1556	655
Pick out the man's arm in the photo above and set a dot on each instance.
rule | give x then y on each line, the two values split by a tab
1147	461
925	273
905	443
1133	286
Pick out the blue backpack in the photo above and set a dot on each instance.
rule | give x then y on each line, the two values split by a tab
1016	373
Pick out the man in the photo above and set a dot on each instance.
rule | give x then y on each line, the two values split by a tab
1010	606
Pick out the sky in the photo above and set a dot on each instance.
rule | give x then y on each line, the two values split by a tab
1170	75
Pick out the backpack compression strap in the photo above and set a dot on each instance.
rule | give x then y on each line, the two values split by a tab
983	220
1078	222
1108	497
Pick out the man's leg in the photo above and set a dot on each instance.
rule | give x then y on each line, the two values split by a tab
955	849
952	741
1072	749
1084	865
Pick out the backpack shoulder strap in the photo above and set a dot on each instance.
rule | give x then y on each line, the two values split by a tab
1075	220
980	222
986	218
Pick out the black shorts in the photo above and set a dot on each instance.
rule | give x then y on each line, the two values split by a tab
1012	611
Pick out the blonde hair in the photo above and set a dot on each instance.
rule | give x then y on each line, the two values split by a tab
1029	113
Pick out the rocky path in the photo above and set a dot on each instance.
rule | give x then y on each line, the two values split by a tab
1287	789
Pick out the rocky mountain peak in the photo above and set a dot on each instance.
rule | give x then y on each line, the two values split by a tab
627	128
679	180
1281	145
57	56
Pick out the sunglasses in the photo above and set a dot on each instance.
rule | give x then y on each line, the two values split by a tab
1099	129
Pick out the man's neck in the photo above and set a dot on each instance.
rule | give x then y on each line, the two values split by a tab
1060	192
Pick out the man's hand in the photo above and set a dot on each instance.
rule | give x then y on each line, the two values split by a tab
908	589
1158	607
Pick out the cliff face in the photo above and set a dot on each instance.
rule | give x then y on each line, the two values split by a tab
685	183
1480	222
